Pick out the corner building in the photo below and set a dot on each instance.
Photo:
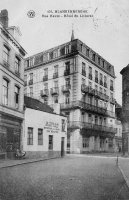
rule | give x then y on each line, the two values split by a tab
82	82
11	86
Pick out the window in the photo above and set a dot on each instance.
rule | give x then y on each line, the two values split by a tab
30	136
68	49
17	65
89	118
93	56
85	142
46	72
83	69
40	136
96	76
67	66
45	86
83	117
105	81
101	90
31	79
31	91
50	147
67	99
87	52
67	114
96	119
100	120
101	79
90	85
90	72
6	54
5	91
55	53
56	69
25	80
17	91
63	125
111	107
67	82
111	85
83	81
56	84
99	60
45	100
96	87
55	99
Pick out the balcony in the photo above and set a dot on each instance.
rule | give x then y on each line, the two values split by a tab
45	78
17	73
66	72
105	84
83	72
112	100
87	89
44	93
101	82
55	91
55	75
5	63
90	76
90	126
31	82
66	88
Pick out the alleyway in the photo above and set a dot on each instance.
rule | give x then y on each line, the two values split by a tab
69	178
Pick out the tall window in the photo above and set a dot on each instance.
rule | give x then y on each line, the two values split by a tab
101	79
45	86
90	72
55	99
56	69
67	99
85	142
63	124
40	136
6	54
17	65
96	76
25	80
31	76
46	72
83	69
96	119
56	84
67	82
50	147
5	91
111	85
30	136
67	66
31	91
17	91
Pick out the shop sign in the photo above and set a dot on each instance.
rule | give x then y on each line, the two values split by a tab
51	127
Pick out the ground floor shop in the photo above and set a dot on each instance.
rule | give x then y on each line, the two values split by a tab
82	141
10	135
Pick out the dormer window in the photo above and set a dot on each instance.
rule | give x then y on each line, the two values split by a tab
93	56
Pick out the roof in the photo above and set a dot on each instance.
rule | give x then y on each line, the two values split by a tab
124	69
37	105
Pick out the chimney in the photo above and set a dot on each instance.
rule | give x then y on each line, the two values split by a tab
4	18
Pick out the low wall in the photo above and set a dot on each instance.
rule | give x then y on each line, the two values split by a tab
43	154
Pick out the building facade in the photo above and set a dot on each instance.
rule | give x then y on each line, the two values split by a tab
83	83
45	132
11	85
125	109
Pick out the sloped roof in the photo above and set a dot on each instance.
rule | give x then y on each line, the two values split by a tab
124	69
37	105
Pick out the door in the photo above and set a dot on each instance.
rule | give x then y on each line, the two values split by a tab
62	146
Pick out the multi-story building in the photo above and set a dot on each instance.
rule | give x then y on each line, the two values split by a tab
125	109
83	83
11	85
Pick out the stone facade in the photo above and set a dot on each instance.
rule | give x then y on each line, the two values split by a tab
83	83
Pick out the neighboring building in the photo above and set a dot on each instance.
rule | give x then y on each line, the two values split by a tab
83	83
125	109
118	123
11	85
45	133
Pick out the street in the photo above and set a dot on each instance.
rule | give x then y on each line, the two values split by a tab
77	177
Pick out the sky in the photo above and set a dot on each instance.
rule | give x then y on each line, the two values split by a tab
107	32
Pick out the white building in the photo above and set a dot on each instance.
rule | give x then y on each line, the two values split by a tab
45	133
83	82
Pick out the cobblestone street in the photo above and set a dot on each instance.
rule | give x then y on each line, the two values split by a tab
71	178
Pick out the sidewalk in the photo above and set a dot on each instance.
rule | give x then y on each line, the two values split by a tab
123	164
10	163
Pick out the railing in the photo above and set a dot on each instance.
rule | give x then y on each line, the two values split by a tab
66	88
86	125
45	78
66	72
44	93
55	91
5	63
31	82
87	107
55	75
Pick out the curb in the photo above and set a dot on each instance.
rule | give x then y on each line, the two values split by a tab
31	161
124	176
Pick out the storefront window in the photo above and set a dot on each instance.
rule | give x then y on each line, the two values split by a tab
30	136
40	136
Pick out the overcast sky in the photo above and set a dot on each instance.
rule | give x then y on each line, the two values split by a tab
107	32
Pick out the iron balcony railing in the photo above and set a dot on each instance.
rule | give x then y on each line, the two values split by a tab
45	78
66	72
31	82
91	126
44	93
55	91
66	88
88	107
55	75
